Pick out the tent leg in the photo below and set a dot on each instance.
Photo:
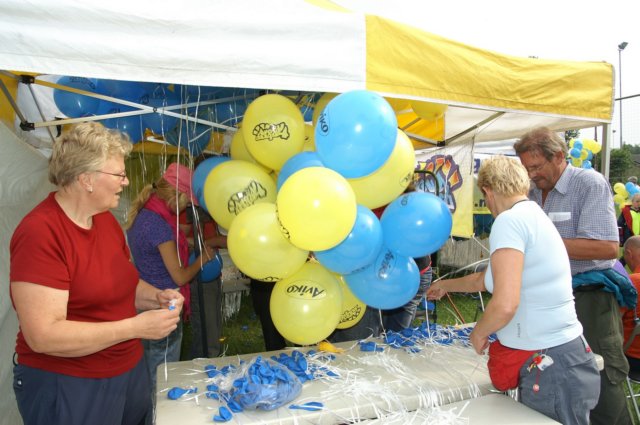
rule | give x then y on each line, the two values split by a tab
24	124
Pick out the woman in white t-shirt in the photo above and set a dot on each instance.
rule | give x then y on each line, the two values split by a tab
539	346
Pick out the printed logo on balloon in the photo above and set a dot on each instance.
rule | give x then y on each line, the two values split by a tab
307	290
249	196
266	131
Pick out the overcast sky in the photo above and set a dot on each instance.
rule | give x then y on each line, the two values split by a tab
584	30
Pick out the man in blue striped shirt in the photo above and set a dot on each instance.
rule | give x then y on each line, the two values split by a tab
580	204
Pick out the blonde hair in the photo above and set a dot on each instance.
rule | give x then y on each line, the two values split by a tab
505	176
84	149
164	191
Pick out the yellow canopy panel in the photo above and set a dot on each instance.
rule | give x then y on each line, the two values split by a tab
404	60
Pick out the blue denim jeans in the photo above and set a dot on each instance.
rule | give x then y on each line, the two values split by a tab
155	351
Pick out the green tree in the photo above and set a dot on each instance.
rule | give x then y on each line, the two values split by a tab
571	134
619	164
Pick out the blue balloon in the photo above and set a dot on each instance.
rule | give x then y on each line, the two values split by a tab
577	144
206	92
575	153
125	90
359	249
229	113
201	173
586	164
356	133
296	163
416	224
631	188
391	281
194	138
77	105
209	270
160	96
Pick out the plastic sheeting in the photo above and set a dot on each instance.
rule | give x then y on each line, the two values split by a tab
23	184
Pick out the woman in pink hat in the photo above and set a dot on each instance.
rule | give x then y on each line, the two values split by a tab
160	249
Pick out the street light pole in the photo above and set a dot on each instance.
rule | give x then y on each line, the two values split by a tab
621	47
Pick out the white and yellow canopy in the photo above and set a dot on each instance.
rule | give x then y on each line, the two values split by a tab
311	46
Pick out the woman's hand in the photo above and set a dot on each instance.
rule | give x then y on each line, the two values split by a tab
436	290
157	324
170	298
480	343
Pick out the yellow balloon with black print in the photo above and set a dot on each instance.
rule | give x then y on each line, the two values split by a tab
352	308
306	306
273	130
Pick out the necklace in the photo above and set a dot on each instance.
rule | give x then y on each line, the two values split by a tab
517	202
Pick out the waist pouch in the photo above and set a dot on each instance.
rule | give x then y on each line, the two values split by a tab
504	365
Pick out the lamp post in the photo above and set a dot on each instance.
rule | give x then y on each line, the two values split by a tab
621	47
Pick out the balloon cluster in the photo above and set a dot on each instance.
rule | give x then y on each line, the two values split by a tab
291	191
623	192
224	106
581	152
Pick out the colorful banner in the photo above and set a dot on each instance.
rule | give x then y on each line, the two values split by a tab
448	172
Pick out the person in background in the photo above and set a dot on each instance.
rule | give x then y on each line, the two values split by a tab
160	249
630	316
206	296
580	204
540	348
629	219
261	298
75	291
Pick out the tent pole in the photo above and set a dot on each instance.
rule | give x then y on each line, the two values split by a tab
606	154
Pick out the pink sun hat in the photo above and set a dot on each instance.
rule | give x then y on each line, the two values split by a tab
180	177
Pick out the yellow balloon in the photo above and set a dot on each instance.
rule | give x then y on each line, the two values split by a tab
593	145
389	181
306	306
316	208
584	154
309	139
619	199
399	105
620	189
273	130
320	104
238	150
429	111
352	308
234	185
259	249
576	162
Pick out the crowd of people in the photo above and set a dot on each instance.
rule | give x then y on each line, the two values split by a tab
99	312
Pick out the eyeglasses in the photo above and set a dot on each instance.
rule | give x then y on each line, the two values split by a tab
122	175
536	168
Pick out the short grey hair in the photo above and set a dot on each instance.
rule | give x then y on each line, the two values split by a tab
84	149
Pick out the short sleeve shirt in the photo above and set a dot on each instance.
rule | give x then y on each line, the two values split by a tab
581	207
